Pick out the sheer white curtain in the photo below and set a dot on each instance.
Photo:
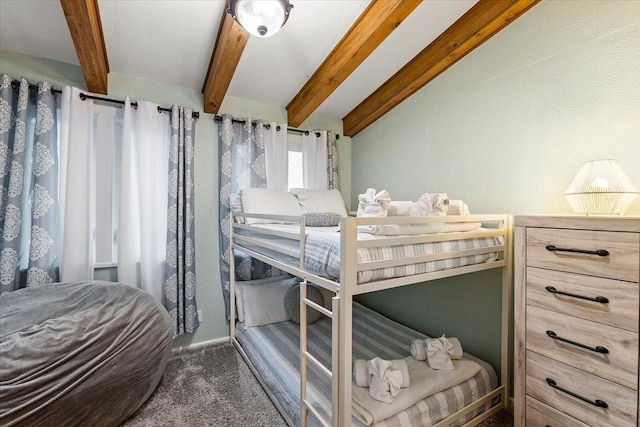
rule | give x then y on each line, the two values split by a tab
142	217
77	187
276	155
314	160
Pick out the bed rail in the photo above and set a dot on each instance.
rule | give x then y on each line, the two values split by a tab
285	248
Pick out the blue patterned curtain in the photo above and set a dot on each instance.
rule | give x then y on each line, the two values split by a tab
28	185
180	265
242	165
332	162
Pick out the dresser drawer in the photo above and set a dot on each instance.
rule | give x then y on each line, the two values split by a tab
621	401
541	415
619	309
619	364
621	263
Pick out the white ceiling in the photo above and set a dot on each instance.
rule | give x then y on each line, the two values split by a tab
172	41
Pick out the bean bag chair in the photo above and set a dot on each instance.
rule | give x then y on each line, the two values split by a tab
79	354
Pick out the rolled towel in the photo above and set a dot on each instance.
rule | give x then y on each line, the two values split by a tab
456	348
372	204
401	365
400	208
385	382
419	349
457	207
362	375
431	205
438	353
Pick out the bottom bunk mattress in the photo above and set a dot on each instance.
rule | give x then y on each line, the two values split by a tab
274	351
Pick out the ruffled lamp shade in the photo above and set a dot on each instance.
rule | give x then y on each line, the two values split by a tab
601	188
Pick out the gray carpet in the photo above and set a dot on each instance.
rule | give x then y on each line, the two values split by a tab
213	386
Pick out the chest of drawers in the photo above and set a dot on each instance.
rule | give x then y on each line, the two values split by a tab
576	320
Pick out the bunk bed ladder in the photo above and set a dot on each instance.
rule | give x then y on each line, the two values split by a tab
305	356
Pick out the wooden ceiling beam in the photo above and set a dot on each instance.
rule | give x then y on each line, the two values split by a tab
475	27
230	43
85	26
377	21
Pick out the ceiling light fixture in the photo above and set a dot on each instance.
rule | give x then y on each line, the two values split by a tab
261	18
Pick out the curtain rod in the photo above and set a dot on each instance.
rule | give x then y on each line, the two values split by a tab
268	126
84	97
294	130
15	83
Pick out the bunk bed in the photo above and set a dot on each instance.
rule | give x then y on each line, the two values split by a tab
307	369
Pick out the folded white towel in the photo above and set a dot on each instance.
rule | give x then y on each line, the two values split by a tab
401	208
424	382
419	349
362	376
400	229
372	204
385	382
438	355
431	205
457	207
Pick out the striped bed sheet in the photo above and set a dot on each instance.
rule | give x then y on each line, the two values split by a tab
322	250
274	352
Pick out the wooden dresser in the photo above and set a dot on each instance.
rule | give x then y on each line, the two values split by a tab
576	318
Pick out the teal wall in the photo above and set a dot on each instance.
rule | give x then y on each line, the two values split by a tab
209	294
506	129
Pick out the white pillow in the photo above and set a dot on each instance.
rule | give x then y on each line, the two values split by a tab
318	201
263	303
235	202
240	285
268	201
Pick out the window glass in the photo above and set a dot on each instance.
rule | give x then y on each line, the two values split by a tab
295	179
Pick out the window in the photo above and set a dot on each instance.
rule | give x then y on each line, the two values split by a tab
294	155
107	140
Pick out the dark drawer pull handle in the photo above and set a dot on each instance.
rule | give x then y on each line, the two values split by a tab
597	349
599	403
599	252
601	300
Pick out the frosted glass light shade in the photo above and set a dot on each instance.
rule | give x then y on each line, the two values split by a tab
261	18
601	187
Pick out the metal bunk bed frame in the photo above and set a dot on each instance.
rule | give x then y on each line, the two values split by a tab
341	311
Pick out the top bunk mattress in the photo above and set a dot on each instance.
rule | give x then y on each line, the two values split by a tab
322	249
